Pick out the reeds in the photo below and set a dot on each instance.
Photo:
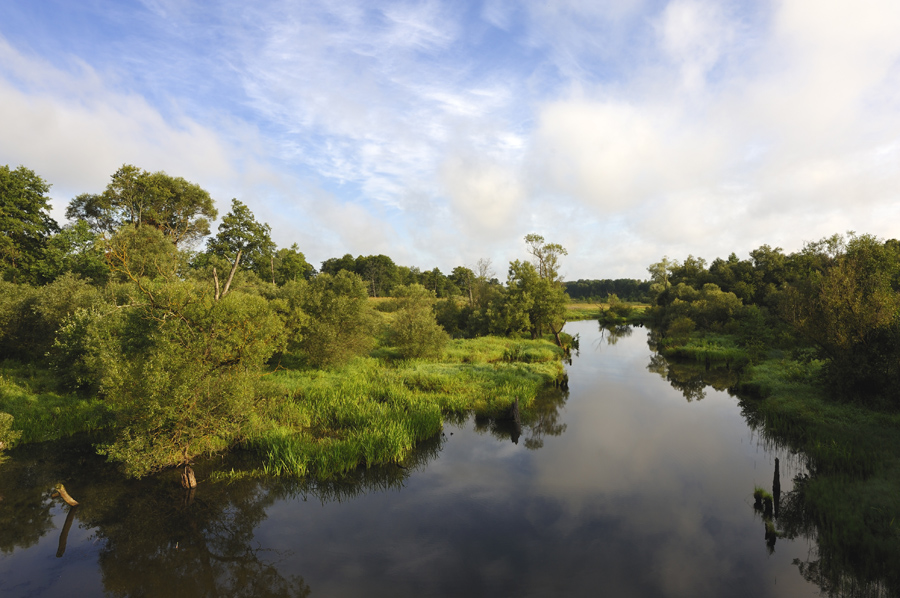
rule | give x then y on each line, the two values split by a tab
373	412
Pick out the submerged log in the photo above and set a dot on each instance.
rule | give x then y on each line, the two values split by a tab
514	411
776	489
187	478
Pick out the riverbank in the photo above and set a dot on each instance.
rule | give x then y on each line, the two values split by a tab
325	422
616	313
849	498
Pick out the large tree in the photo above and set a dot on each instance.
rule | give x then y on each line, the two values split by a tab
240	231
545	256
180	209
25	223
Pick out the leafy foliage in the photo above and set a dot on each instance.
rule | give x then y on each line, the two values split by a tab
240	231
178	208
340	325
415	332
25	223
183	377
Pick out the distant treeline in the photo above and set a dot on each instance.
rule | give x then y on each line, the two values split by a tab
837	300
626	289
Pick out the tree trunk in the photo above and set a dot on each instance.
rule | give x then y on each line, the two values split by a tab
64	535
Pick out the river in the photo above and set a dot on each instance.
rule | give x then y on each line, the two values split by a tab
627	485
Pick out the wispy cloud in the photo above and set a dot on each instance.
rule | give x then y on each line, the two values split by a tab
439	132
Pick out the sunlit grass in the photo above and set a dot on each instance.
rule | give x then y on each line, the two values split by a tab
370	412
852	452
41	413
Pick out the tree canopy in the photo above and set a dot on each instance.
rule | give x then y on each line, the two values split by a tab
25	221
180	209
240	231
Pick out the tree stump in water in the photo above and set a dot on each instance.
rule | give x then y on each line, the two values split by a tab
187	478
65	496
514	411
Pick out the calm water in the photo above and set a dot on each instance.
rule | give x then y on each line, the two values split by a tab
627	486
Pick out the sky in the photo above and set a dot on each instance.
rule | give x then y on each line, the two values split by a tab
442	132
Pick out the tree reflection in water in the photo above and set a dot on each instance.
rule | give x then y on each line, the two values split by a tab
690	379
157	539
541	419
613	333
838	566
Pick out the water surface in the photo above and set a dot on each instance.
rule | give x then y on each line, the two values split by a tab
624	486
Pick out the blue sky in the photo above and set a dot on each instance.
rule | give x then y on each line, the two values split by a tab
442	132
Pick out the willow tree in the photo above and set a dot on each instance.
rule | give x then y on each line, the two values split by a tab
181	210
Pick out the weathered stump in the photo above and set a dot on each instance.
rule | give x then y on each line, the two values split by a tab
776	488
188	480
65	496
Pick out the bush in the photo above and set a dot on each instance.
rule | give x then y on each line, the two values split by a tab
8	436
339	324
415	332
183	373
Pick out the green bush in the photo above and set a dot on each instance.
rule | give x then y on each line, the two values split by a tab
414	332
339	324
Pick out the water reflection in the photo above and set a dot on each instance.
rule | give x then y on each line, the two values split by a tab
642	494
613	333
153	537
838	565
541	419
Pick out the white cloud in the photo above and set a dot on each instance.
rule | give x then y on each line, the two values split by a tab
75	132
788	145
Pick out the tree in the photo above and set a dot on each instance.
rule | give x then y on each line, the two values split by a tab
75	248
25	223
291	265
336	264
543	299
850	308
178	208
659	277
414	331
379	271
546	256
339	324
182	373
464	278
240	231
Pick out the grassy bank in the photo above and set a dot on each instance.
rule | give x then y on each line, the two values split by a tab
709	349
40	412
619	313
326	422
372	412
853	456
849	499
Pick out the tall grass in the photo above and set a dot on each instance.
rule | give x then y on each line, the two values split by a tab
372	412
853	455
39	412
707	348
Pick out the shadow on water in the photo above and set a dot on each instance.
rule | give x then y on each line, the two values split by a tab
838	567
154	537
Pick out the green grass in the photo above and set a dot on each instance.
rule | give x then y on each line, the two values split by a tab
40	412
371	412
707	348
853	455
